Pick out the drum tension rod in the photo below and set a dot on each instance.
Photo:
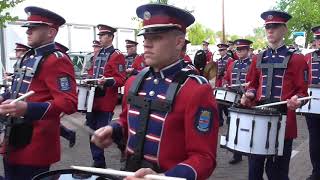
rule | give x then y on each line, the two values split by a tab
252	130
236	138
268	133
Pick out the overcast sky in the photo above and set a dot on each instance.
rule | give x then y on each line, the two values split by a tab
241	16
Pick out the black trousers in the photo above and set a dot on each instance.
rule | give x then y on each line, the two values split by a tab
313	122
277	168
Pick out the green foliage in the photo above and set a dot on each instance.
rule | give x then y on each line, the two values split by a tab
305	13
5	16
197	33
159	1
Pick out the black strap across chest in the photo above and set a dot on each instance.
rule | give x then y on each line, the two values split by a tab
145	105
270	67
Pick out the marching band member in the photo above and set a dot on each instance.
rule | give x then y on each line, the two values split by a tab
223	63
279	74
132	54
313	120
20	51
109	63
34	144
169	115
205	47
66	133
138	64
184	55
237	73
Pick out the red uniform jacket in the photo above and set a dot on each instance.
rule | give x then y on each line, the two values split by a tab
185	57
55	88
313	61
175	140
209	56
139	63
115	68
223	64
294	82
230	76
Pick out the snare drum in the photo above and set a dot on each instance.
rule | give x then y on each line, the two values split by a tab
85	97
313	105
83	92
255	131
70	174
226	96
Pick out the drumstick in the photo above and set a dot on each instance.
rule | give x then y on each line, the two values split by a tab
22	97
123	173
284	102
97	79
236	85
76	122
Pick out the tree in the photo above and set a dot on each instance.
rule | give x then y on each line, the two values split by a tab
305	15
159	1
5	16
259	40
197	33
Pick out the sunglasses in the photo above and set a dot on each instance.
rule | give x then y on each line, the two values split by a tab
222	49
272	26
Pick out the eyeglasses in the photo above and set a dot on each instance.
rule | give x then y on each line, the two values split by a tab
272	26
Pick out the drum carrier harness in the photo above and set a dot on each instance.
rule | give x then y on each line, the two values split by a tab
270	67
144	106
18	132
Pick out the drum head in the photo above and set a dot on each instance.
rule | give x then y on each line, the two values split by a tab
227	89
69	174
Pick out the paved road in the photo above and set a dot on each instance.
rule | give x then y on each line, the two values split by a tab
300	166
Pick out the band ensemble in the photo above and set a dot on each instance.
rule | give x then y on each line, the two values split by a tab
172	108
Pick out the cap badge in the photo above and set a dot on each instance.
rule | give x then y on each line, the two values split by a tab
270	17
146	15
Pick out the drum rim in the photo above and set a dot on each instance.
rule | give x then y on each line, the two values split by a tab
227	89
246	154
69	171
255	111
314	86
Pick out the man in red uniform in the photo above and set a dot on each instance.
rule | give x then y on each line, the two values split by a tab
279	74
66	133
237	73
313	120
205	47
223	63
132	54
184	55
231	50
177	139
34	143
138	64
21	50
109	68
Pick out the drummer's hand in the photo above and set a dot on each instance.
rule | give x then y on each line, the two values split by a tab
102	137
293	103
17	109
101	81
129	70
1	99
140	174
247	99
